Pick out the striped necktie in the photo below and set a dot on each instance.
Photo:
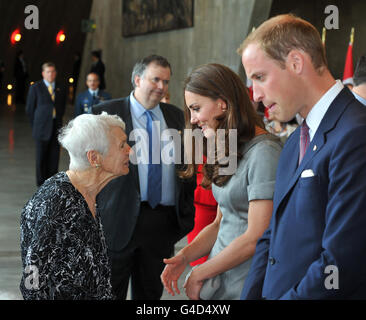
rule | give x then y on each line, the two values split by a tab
304	140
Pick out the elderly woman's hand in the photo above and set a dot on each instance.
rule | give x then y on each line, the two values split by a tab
172	271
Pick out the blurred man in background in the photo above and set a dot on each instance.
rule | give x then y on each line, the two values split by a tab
45	108
90	97
98	67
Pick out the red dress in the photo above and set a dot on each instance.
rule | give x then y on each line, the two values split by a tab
206	209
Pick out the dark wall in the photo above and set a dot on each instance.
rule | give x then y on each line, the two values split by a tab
351	14
40	45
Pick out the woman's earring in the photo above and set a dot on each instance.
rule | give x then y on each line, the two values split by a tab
97	166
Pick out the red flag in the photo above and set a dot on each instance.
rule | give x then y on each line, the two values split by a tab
348	67
266	114
250	88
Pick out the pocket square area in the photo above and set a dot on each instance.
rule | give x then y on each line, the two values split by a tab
307	173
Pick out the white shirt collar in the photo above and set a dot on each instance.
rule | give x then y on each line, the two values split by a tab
49	83
91	91
318	111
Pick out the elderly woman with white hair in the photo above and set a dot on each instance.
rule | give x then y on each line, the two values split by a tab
64	253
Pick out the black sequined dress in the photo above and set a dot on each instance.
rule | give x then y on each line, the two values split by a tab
64	254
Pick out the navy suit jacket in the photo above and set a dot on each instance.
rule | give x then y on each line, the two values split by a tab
39	108
84	101
119	202
319	220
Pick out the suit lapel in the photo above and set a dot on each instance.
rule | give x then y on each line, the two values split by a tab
327	124
57	93
92	101
46	92
125	114
90	97
170	120
291	168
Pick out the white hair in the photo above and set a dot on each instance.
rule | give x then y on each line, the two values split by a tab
85	133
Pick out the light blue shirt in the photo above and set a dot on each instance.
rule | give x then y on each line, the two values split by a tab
47	84
139	121
92	92
317	113
359	98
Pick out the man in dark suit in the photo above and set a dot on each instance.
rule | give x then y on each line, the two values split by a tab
315	245
88	98
45	108
147	211
21	75
98	67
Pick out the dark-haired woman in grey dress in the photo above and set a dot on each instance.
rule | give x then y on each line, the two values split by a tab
216	99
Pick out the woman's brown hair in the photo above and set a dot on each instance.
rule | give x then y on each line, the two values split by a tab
216	81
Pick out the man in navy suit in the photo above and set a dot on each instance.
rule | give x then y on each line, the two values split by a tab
315	245
147	211
45	108
88	98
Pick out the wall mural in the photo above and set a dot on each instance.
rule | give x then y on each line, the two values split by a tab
147	16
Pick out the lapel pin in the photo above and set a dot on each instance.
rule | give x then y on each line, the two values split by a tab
315	147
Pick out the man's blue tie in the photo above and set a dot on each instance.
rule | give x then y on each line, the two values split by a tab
154	175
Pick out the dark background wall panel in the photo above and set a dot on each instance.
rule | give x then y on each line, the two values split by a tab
351	14
40	45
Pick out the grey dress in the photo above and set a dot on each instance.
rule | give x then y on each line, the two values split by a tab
254	179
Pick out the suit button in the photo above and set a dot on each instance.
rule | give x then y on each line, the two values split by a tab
272	261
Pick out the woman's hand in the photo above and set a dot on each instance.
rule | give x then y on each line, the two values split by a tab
193	286
172	271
